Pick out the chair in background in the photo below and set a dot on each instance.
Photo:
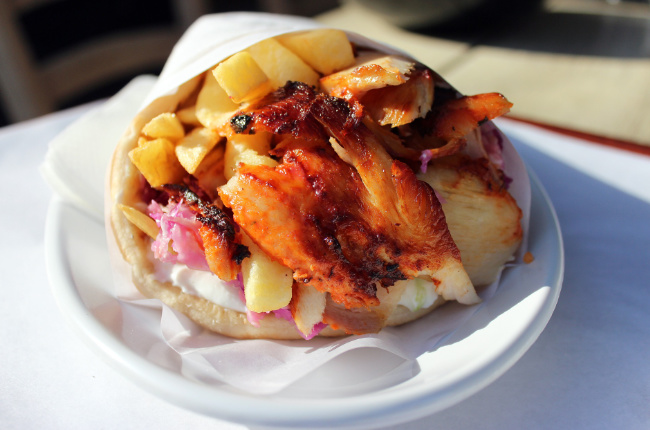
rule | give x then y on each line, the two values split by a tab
32	86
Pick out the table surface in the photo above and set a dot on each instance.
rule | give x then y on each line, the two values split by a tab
588	370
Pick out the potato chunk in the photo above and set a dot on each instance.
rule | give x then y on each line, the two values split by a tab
213	106
325	50
187	115
165	125
248	149
242	78
194	147
156	160
308	305
281	65
267	283
210	171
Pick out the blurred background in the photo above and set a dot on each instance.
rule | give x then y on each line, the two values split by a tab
60	53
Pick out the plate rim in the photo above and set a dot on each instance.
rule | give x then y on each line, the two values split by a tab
388	407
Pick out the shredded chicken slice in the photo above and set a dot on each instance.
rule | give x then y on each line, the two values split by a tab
393	90
458	117
372	70
307	212
398	105
444	131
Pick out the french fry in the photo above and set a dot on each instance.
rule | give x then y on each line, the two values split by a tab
308	306
248	149
166	125
267	283
191	149
281	64
325	50
210	171
242	78
213	106
156	160
252	158
140	220
187	116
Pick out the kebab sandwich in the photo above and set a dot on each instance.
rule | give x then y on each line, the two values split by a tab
308	185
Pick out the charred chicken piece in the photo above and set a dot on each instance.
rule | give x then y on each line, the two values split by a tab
223	249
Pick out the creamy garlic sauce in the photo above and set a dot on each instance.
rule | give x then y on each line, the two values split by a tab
418	293
202	284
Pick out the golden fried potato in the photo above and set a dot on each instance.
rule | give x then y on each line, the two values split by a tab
191	149
165	125
156	160
242	78
267	283
187	116
210	172
140	220
308	307
248	149
325	50
213	106
280	64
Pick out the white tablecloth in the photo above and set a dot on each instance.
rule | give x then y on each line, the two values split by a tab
590	368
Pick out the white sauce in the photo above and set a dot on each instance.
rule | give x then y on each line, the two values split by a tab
202	284
418	293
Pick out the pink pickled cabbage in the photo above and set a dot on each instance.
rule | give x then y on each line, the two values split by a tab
425	157
179	240
493	145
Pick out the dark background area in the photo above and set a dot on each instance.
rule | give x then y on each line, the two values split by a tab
57	26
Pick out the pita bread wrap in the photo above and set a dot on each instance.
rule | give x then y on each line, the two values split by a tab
406	288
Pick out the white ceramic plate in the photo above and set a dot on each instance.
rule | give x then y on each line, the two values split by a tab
347	392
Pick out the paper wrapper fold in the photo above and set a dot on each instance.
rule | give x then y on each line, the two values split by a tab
170	339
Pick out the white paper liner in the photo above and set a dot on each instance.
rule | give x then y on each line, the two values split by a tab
254	366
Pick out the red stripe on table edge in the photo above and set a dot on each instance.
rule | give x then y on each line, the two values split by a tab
601	140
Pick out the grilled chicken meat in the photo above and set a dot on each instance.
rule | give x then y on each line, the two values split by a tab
393	90
445	130
346	229
399	92
482	216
